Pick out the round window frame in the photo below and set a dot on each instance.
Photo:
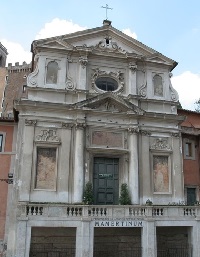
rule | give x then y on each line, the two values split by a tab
117	76
107	77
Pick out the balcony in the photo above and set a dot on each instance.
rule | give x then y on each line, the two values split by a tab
107	212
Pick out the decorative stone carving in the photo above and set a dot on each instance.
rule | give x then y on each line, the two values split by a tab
47	135
32	78
177	135
158	85
173	109
83	61
142	91
67	125
174	94
133	130
160	144
132	67
107	138
46	168
69	81
161	174
79	125
118	76
30	122
107	44
145	132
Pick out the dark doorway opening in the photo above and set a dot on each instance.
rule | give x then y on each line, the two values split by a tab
106	180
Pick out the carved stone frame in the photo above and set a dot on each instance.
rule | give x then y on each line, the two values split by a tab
48	60
163	85
116	75
165	154
34	172
192	143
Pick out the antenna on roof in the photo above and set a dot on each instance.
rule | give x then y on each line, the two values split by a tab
107	8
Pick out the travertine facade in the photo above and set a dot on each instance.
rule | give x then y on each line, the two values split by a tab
100	108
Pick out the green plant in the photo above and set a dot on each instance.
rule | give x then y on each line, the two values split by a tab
124	198
88	197
149	202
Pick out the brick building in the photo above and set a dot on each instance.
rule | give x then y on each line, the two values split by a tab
191	155
15	86
8	131
3	55
3	72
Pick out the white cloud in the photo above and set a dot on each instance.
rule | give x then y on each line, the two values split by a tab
130	33
187	85
58	27
16	53
54	28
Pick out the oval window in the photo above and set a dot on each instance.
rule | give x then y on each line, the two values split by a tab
106	84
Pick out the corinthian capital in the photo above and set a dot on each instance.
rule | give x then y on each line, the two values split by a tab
133	130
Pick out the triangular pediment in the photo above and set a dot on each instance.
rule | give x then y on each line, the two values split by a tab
158	58
109	102
56	44
105	39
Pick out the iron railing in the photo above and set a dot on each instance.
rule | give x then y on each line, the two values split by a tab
50	250
117	251
175	251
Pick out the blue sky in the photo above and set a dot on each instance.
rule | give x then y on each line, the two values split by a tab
170	27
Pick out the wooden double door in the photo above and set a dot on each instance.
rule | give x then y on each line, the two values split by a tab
106	180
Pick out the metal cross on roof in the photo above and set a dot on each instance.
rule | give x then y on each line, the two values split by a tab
106	7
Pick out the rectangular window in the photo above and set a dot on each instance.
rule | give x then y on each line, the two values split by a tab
191	196
161	173
189	149
1	143
46	168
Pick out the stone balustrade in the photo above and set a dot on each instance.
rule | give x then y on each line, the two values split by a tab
109	211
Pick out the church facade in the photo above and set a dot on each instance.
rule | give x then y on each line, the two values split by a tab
100	111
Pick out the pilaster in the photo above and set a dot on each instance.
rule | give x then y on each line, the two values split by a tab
84	240
21	239
79	162
195	239
177	168
26	165
149	239
145	174
133	165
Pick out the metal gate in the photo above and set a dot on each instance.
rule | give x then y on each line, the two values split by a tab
51	250
117	251
175	251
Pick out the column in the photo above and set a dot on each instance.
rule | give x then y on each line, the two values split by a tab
133	165
149	239
79	163
25	164
84	239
